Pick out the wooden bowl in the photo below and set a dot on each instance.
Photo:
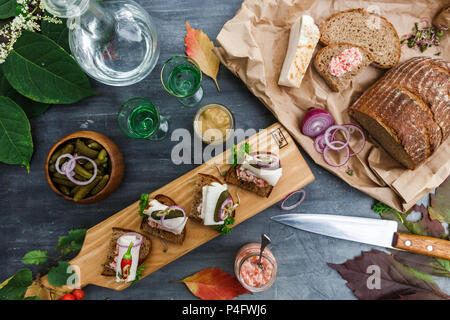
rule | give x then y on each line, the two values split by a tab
115	157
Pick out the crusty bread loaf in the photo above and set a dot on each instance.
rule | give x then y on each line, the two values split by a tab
163	234
144	250
408	110
323	59
357	26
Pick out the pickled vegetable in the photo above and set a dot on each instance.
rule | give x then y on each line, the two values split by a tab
63	182
94	145
99	187
82	149
82	171
84	190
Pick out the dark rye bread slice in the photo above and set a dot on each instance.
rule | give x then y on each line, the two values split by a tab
323	58
163	234
202	179
144	251
359	27
408	110
231	177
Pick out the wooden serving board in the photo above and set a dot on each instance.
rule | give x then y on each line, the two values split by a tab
296	174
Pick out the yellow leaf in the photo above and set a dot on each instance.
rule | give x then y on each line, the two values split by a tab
200	48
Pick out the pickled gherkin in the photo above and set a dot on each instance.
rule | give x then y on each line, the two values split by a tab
84	190
99	187
82	149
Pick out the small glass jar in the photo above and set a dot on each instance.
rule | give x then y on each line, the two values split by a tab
198	126
249	274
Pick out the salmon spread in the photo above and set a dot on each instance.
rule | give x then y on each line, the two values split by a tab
347	61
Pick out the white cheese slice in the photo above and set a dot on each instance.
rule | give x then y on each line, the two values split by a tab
210	196
302	42
271	176
123	243
175	225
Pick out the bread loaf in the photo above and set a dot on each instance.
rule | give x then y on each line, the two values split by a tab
408	110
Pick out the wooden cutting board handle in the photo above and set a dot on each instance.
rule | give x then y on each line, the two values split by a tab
428	246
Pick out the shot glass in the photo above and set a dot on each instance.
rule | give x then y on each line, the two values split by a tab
139	118
181	77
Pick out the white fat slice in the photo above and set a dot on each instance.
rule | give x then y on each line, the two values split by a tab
175	225
271	176
123	242
302	42
210	196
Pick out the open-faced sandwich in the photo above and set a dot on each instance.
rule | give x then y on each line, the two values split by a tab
126	252
163	218
213	204
258	172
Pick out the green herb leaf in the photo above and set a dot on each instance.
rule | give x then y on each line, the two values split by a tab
143	204
16	144
35	257
139	272
32	298
42	71
225	227
17	285
72	242
32	108
58	32
57	276
7	8
380	207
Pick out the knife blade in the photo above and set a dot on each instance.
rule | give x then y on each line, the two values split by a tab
378	232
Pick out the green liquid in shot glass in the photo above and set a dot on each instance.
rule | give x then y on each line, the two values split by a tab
184	80
143	121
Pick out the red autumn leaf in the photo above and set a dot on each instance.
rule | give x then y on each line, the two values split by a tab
214	284
376	275
440	204
200	48
434	266
426	226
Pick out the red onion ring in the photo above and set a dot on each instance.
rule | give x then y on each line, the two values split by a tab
295	204
78	182
174	208
329	134
60	170
68	167
352	126
275	163
327	148
222	207
319	143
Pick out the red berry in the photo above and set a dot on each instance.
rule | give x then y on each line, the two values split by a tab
78	294
68	297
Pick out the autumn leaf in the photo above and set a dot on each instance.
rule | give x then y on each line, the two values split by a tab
376	275
200	48
214	284
440	203
434	266
426	226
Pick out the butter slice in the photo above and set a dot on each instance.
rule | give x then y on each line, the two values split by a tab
302	42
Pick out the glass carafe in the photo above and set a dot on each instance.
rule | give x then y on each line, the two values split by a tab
115	42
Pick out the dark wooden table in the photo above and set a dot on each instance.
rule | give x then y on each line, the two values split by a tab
33	217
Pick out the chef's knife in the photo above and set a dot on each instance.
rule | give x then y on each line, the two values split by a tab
376	232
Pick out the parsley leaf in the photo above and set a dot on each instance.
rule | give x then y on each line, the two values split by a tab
143	204
224	228
380	207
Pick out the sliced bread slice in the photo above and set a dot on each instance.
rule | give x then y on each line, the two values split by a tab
232	178
144	251
202	180
323	59
370	31
163	234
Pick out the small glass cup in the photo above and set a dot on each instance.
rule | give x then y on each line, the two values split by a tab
138	118
250	252
181	77
198	126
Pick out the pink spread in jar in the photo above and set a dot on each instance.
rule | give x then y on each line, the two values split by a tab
345	62
249	273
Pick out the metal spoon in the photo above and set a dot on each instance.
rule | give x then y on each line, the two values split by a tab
265	240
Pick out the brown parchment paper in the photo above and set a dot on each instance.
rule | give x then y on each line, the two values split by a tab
253	45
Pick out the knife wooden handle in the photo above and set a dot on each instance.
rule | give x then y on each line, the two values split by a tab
428	246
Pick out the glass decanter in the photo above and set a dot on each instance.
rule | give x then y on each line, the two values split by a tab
115	42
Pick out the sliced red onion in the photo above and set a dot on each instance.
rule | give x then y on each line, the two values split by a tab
222	210
78	182
355	127
329	137
174	208
315	122
327	149
284	207
319	143
275	160
64	168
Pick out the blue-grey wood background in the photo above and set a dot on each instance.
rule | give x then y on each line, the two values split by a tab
33	217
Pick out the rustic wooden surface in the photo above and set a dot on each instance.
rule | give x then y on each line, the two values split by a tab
33	216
